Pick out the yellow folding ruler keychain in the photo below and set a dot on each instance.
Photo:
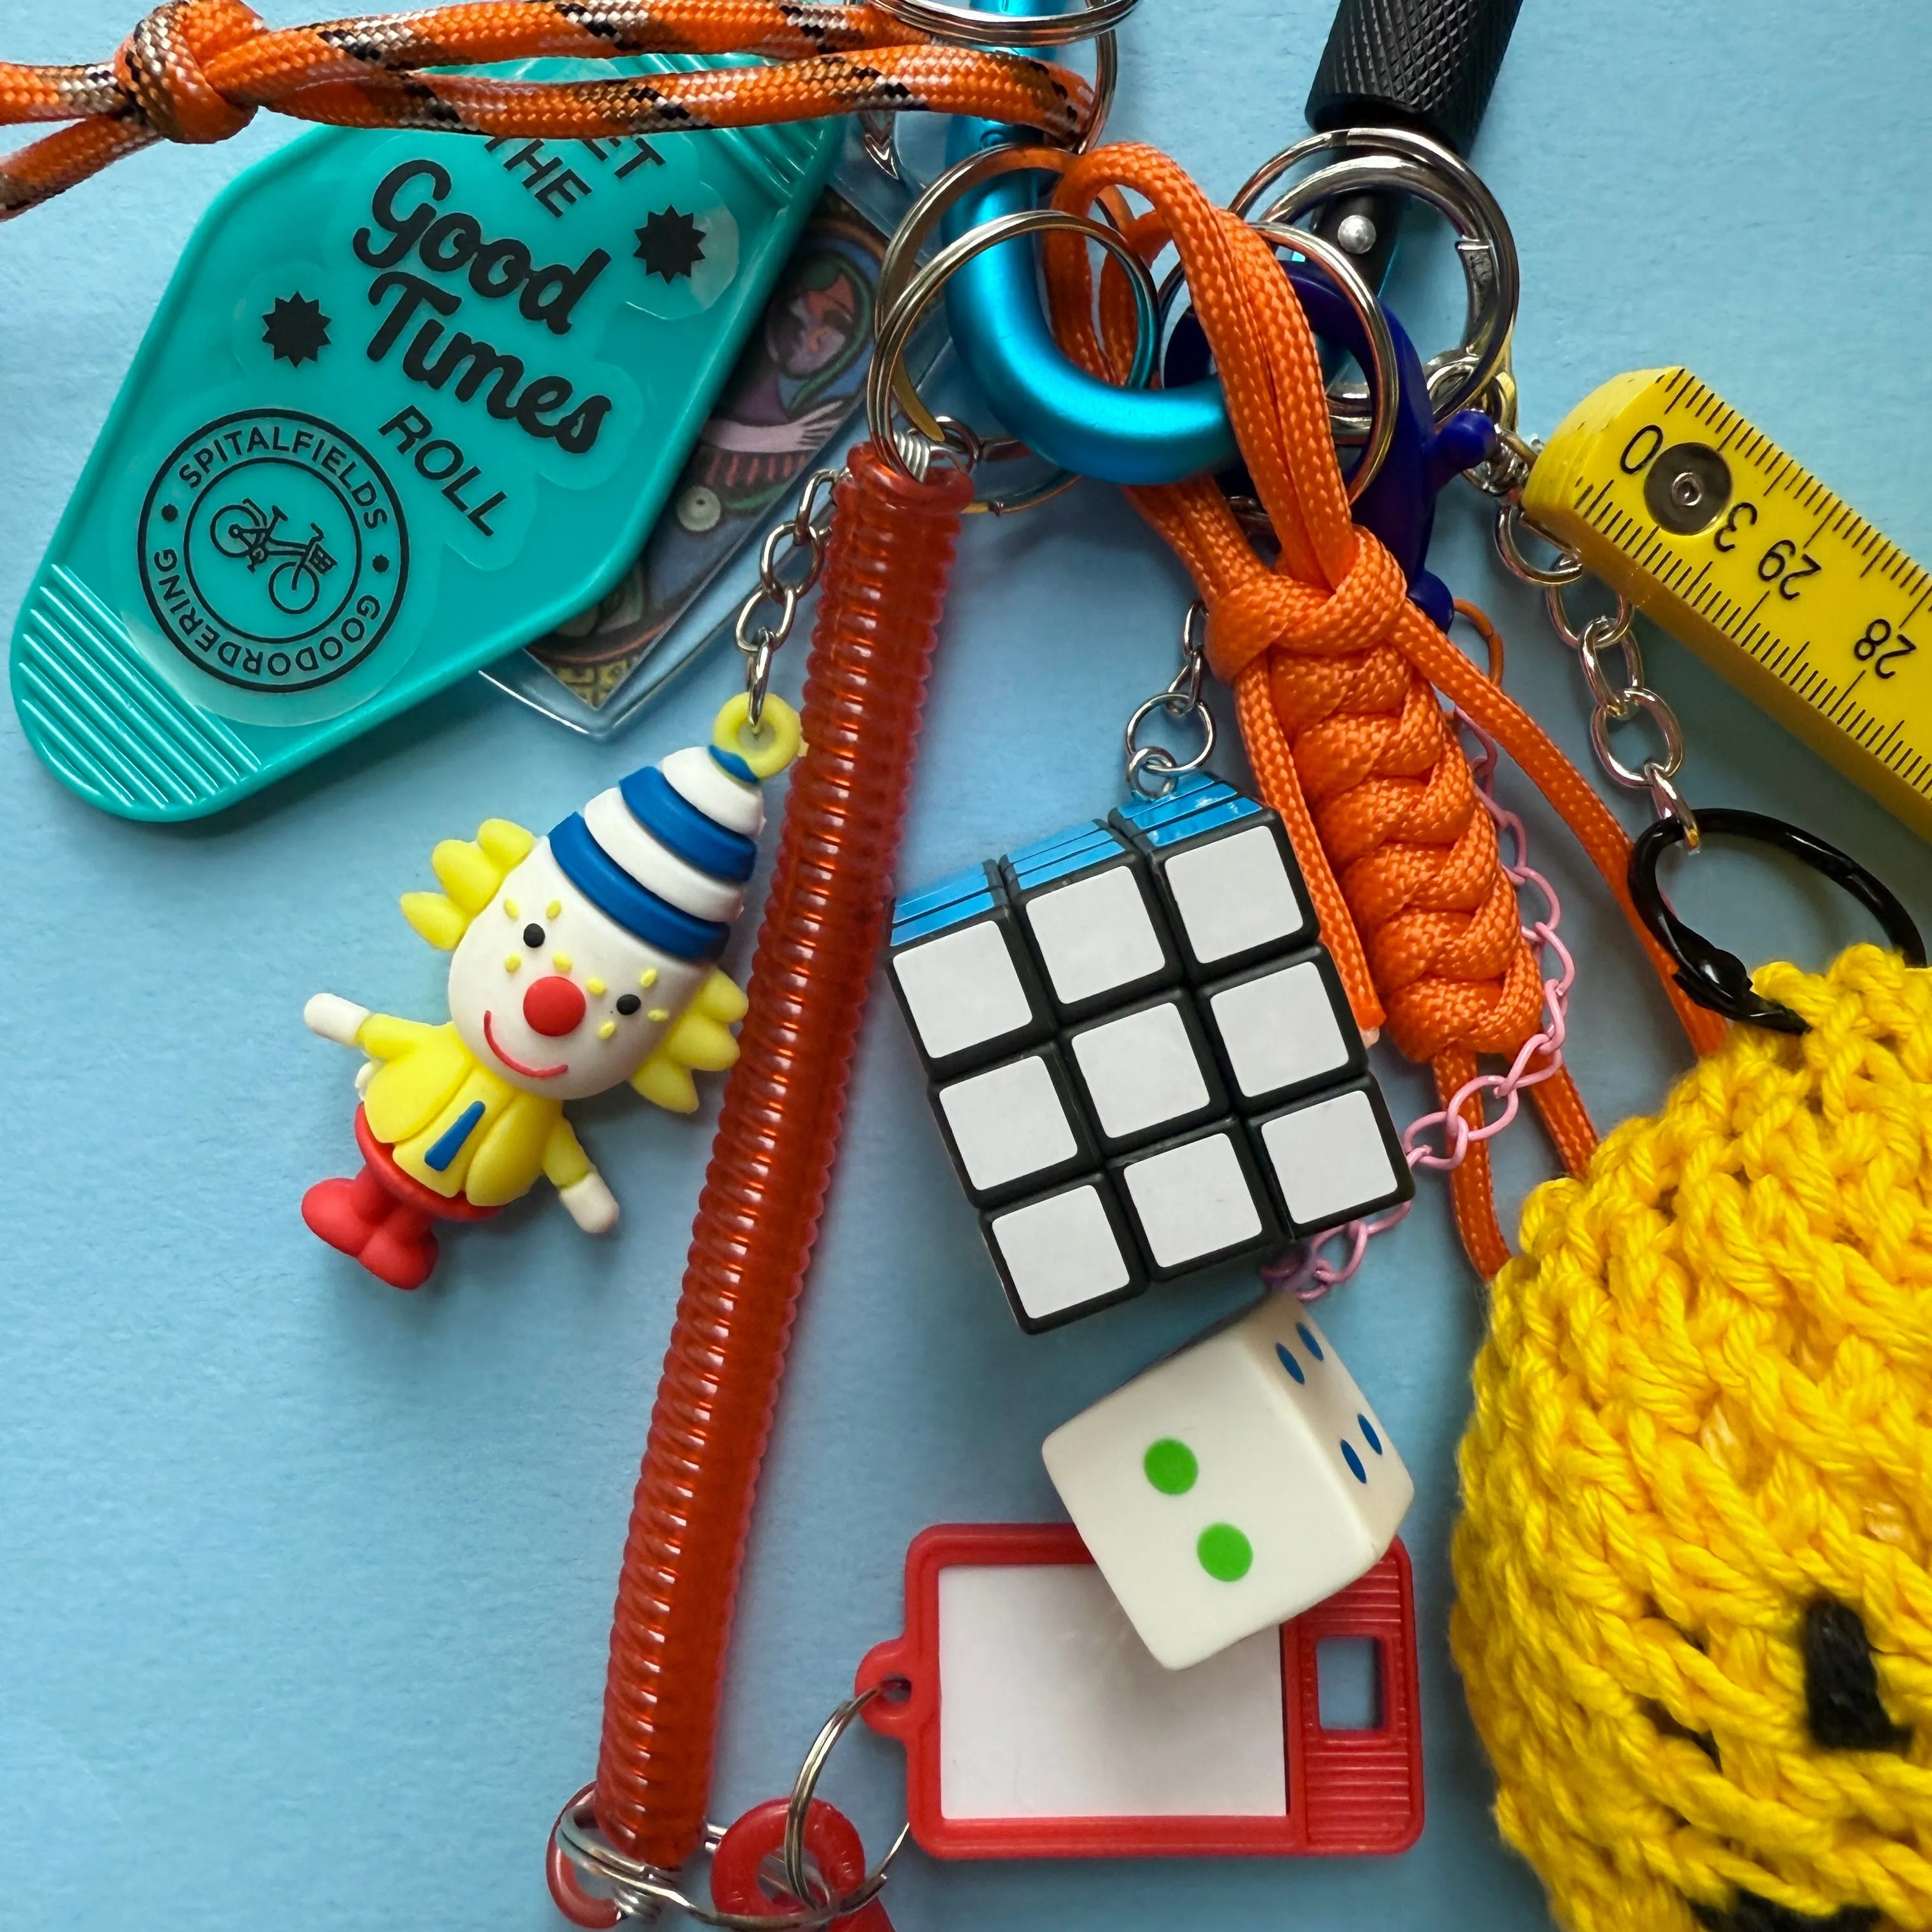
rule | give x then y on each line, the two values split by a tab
1656	485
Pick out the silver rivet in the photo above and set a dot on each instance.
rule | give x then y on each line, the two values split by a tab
1357	233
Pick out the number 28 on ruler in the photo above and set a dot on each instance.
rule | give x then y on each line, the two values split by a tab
1668	494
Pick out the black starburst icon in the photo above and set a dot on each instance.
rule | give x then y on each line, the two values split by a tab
297	330
669	245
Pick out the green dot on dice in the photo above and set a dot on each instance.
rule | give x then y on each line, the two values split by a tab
1170	1467
1226	1554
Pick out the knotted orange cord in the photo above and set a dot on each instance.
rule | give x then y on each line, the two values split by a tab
1337	677
197	71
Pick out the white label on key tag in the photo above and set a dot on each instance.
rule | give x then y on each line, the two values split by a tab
1051	1707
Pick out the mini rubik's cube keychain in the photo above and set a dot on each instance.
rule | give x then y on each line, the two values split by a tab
1140	1054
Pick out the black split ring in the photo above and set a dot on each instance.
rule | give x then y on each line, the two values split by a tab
1721	980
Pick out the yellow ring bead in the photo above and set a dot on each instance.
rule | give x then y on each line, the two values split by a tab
777	742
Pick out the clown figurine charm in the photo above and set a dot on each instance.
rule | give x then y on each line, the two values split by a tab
581	962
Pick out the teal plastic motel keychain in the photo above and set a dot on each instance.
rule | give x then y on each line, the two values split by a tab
409	403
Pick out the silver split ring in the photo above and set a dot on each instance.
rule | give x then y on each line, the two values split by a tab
1386	386
1396	159
638	1890
975	27
804	1788
897	322
1567	568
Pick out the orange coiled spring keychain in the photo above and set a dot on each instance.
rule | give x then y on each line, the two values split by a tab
890	556
1337	677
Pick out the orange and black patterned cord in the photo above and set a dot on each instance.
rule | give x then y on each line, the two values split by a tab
198	70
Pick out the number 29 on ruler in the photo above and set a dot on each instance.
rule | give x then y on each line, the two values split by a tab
1672	498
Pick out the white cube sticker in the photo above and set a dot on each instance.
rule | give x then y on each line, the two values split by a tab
1008	1122
1235	894
1060	1251
1329	1157
962	989
1141	1070
1095	935
1193	1200
1280	1030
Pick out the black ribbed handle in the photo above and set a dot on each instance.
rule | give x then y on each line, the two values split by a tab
1428	65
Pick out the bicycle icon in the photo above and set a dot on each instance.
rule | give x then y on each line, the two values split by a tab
245	530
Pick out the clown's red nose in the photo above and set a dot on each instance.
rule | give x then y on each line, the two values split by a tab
553	1007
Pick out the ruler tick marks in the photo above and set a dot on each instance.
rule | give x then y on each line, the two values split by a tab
1709	586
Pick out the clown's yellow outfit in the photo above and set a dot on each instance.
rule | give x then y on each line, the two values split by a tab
449	1122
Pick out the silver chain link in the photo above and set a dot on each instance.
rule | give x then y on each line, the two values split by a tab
1612	702
782	586
807	534
1181	701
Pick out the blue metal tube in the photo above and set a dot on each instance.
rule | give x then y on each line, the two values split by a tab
1056	409
1061	413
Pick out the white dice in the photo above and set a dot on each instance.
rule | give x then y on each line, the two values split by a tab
1232	1486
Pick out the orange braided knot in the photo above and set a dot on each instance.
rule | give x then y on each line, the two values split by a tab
198	70
1337	677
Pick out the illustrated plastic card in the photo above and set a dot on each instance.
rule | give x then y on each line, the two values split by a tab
1141	1057
409	401
1036	1725
788	405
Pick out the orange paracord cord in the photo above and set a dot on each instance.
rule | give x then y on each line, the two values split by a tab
197	71
1337	675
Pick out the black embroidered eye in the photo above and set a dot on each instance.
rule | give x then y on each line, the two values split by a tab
629	1004
1841	1700
533	935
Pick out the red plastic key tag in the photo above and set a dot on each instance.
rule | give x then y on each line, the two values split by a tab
1036	1725
748	1872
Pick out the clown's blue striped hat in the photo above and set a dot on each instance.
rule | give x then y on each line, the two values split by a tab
666	853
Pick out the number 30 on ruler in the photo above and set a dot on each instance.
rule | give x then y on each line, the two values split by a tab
1667	493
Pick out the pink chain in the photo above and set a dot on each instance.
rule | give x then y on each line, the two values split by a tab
1306	1271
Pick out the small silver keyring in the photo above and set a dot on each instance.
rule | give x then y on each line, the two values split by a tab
896	324
1385	370
1341	270
1642	779
879	127
1397	159
974	27
636	1886
805	1786
899	263
1156	759
1567	568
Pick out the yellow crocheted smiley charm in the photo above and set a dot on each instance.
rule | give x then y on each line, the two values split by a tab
1695	1562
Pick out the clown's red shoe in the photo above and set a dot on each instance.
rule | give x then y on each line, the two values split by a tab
384	1218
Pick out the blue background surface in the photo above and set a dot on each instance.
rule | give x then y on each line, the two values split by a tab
305	1586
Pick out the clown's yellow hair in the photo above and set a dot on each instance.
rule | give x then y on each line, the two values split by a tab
472	872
